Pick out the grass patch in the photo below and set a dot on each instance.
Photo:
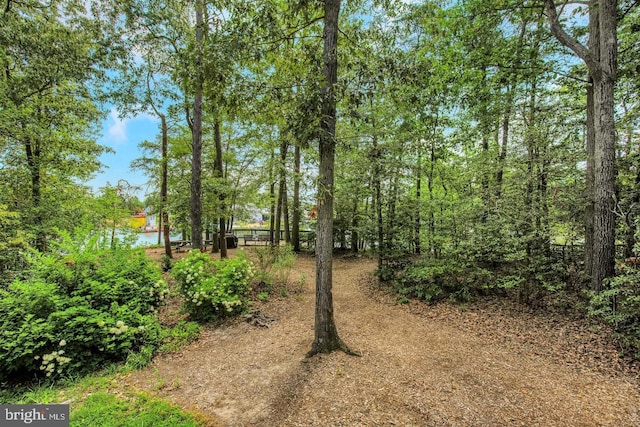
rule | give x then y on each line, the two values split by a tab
176	337
93	404
108	410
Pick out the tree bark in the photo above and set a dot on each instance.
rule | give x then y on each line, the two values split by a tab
196	159
377	172
295	230
278	226
285	213
326	334
166	229
502	156
272	197
354	227
32	149
418	212
589	183
219	173
605	150
391	211
601	61
378	194
432	220
281	203
594	48
604	185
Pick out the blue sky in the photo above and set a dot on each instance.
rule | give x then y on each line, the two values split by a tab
123	134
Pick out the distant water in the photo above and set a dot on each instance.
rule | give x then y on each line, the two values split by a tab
149	239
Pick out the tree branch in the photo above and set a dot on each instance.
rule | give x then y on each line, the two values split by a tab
568	41
631	7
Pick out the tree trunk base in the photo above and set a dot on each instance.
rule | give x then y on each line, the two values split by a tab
335	345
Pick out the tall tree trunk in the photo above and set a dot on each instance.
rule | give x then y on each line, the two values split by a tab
605	176
590	145
502	156
364	243
272	198
377	172
418	212
602	66
605	151
485	130
215	237
285	213
432	220
486	196
32	149
354	227
594	48
219	173
530	196
282	174
326	334
391	212
379	218
166	227
296	200
278	226
543	218
196	159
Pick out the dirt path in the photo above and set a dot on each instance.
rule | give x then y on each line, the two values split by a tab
416	370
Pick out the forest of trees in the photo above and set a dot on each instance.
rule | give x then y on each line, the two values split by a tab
478	145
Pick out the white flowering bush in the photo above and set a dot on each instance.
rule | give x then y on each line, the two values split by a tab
80	310
213	289
54	362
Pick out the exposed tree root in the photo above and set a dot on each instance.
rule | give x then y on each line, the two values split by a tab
338	344
256	318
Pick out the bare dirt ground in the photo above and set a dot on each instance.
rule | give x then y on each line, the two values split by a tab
420	365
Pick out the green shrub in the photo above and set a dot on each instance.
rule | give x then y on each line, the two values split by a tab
83	307
492	243
213	289
619	305
433	282
385	273
274	264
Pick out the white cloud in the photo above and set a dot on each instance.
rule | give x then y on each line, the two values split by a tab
117	128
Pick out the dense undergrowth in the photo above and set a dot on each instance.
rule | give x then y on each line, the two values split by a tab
619	305
81	307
